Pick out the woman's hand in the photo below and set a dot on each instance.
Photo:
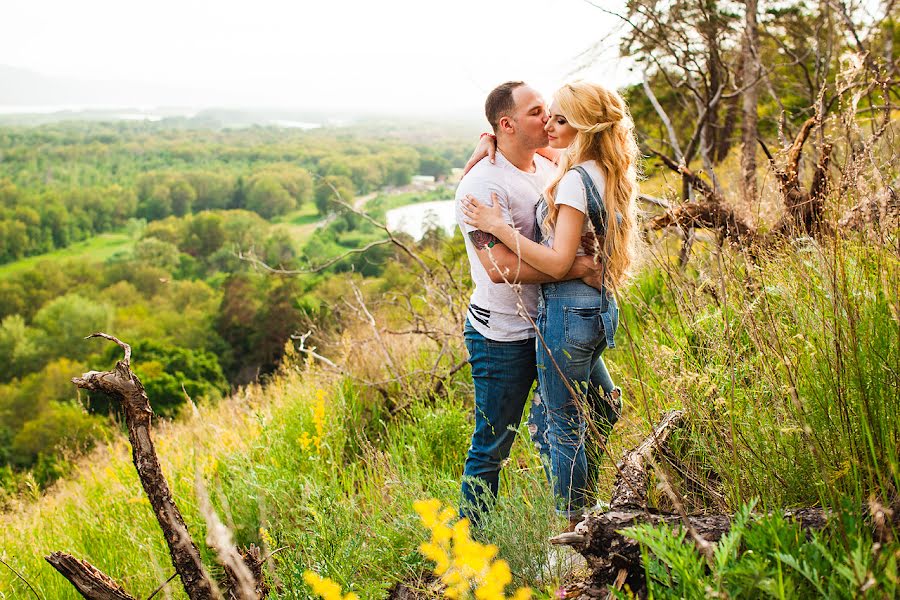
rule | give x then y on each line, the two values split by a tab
486	218
487	146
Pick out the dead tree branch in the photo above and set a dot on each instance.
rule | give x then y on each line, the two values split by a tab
710	213
804	209
90	581
613	557
630	487
123	385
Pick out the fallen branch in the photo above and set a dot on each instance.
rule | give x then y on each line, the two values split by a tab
608	552
615	559
707	214
630	487
93	583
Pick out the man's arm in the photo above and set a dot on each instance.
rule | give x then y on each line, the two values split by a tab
502	264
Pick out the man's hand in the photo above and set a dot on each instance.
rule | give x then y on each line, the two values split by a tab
595	280
592	245
588	270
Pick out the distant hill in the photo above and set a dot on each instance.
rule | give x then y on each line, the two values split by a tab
31	98
22	87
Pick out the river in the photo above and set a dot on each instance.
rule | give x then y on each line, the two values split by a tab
416	219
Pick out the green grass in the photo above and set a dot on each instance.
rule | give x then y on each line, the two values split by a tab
783	368
343	509
97	248
305	215
302	222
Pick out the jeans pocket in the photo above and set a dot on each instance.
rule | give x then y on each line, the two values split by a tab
584	328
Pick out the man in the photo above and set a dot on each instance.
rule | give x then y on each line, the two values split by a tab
499	338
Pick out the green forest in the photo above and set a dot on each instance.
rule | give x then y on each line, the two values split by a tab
140	229
312	401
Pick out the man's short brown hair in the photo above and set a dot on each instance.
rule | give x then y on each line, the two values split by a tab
500	102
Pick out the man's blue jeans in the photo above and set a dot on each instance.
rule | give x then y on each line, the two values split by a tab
577	323
503	373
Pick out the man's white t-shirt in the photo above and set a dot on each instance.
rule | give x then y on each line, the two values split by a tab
492	309
571	192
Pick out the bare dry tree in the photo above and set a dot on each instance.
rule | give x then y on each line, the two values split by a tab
125	387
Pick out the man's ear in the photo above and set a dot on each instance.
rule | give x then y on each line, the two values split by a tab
506	125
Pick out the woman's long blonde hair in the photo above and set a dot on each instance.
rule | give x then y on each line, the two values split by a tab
605	134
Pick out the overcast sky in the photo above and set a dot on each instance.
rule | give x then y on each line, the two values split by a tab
395	55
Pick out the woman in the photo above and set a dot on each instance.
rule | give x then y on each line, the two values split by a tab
576	323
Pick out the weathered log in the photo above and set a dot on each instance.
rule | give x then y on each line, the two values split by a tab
608	553
632	478
90	581
122	384
615	559
707	214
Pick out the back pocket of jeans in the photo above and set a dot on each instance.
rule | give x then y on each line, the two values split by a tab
584	329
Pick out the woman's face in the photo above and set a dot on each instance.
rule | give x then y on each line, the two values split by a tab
559	132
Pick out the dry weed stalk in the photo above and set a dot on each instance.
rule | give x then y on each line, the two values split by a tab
242	582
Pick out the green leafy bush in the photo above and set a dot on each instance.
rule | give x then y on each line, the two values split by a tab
769	556
169	372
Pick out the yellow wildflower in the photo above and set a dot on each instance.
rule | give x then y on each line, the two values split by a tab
266	537
464	565
326	588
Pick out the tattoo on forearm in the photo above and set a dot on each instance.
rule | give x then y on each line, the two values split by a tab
482	240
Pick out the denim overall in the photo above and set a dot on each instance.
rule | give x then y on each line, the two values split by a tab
577	323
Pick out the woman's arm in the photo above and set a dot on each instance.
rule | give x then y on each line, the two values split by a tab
555	261
487	147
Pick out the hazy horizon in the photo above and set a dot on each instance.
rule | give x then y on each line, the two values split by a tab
393	58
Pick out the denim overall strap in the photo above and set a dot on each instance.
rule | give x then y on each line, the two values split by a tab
607	317
595	207
597	214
